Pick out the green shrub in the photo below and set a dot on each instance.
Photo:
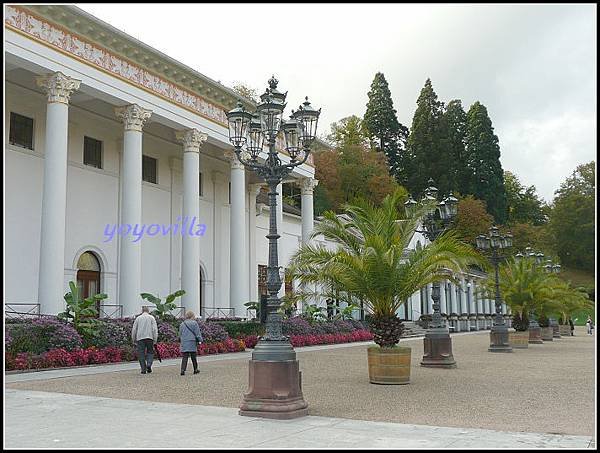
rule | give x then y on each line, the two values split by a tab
237	329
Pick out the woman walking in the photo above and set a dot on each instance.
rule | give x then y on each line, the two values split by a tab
190	337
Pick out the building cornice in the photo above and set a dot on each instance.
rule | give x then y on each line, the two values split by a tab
104	35
73	32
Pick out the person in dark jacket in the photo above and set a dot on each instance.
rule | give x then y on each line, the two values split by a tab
572	326
190	336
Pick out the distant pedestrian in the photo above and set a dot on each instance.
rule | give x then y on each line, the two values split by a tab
145	334
572	327
590	325
190	336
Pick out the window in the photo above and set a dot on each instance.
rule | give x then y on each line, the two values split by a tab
92	152
230	193
21	131
149	169
262	280
200	185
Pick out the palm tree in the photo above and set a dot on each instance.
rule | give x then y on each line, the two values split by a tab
523	286
565	300
372	261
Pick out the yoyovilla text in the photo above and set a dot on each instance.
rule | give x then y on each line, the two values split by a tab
153	229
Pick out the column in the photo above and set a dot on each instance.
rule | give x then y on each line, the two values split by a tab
51	290
429	299
279	213
307	186
253	191
130	258
238	272
176	166
192	139
443	306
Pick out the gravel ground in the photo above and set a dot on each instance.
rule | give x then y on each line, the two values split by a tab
547	388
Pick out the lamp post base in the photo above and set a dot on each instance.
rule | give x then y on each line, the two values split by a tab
437	349
499	339
275	390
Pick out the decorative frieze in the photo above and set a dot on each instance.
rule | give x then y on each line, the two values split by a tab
22	21
94	55
133	116
58	86
192	139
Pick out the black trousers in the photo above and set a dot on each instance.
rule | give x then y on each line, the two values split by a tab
184	360
145	350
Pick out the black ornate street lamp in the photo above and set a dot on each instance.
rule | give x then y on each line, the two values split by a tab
535	331
437	344
274	376
499	331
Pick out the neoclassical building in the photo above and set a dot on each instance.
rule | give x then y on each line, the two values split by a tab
103	135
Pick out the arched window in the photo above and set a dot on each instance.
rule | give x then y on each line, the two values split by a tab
88	276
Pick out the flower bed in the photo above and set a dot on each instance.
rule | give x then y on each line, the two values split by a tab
57	358
54	344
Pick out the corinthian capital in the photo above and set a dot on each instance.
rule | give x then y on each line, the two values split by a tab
192	139
133	116
307	185
235	163
58	86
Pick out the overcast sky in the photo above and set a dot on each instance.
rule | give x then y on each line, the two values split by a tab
532	66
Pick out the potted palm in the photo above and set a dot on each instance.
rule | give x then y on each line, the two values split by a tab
521	284
372	263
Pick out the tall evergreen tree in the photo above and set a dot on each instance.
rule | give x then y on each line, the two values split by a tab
382	125
456	125
427	148
483	162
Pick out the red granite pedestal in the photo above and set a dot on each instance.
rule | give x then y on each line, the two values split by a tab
275	390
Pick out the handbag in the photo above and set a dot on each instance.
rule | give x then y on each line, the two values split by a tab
198	340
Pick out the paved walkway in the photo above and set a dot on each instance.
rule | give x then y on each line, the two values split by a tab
56	420
202	425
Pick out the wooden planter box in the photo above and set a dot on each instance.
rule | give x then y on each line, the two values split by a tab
535	335
564	330
547	333
389	365
556	331
519	340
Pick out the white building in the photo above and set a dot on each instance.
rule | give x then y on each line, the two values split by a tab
101	132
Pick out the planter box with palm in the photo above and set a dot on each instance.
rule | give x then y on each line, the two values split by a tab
522	283
373	263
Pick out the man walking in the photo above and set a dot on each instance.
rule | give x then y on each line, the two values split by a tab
145	334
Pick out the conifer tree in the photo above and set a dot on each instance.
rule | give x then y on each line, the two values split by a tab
482	153
427	148
456	124
382	125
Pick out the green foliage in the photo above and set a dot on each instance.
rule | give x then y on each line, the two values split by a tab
483	162
239	329
162	309
347	312
245	91
81	311
372	261
572	219
381	124
427	154
455	119
472	219
313	313
254	306
348	173
349	131
523	203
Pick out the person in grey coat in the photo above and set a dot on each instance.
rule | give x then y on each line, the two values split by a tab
190	336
